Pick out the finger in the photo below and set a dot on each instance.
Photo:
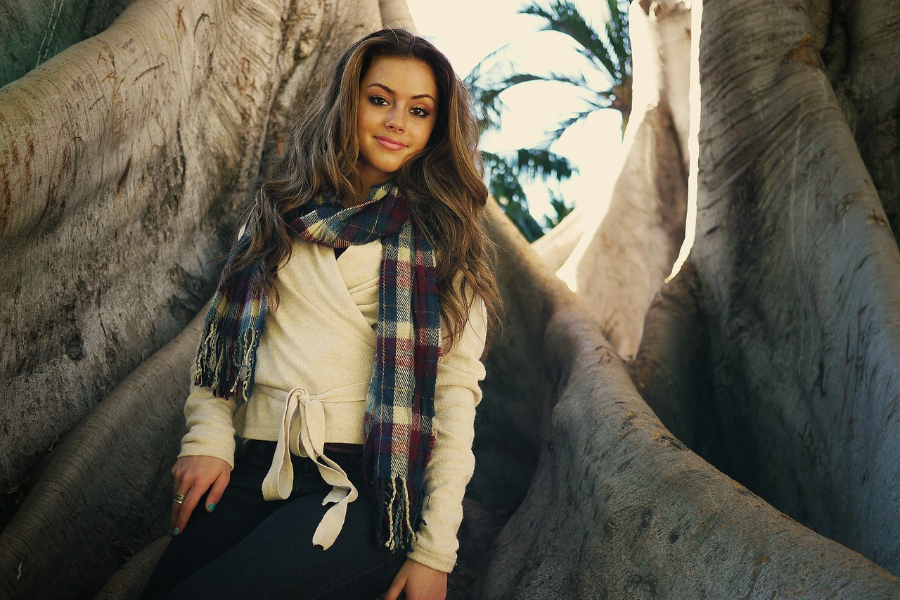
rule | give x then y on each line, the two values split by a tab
396	587
179	488
190	502
218	488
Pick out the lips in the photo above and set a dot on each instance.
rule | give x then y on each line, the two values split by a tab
389	143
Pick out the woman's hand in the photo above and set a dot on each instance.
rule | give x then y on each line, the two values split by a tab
193	476
418	582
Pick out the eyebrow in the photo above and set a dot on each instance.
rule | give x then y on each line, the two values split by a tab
390	91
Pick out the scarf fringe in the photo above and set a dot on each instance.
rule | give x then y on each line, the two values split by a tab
400	408
398	512
217	365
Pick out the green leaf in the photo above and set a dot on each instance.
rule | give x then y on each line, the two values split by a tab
608	53
559	206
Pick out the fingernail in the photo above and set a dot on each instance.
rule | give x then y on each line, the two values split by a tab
175	531
211	507
170	532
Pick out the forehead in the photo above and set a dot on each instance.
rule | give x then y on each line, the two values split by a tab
405	76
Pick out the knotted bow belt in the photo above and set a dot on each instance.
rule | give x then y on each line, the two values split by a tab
303	433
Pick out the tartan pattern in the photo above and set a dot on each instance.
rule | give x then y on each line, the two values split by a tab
400	400
226	358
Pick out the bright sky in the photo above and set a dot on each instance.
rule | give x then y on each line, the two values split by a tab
473	29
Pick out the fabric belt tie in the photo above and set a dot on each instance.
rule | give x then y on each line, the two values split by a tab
303	433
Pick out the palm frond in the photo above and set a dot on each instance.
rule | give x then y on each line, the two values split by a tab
542	163
563	126
616	30
560	207
504	185
488	104
608	51
562	16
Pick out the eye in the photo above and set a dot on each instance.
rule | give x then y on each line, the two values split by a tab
378	100
420	112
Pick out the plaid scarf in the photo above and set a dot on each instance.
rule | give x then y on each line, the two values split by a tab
400	402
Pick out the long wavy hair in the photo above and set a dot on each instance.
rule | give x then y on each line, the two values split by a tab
442	183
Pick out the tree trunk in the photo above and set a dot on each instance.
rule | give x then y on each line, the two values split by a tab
773	352
860	46
621	261
33	31
556	246
106	492
799	272
124	161
618	507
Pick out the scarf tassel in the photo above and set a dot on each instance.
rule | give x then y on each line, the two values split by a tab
408	301
399	511
217	365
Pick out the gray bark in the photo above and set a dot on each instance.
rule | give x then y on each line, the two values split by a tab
860	46
124	161
106	490
33	31
671	369
623	257
790	289
618	507
799	272
167	119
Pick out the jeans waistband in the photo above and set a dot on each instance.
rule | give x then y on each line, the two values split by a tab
261	453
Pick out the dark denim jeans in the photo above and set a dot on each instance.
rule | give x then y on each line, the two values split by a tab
250	548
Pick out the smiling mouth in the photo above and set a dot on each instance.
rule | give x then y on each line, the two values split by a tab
389	143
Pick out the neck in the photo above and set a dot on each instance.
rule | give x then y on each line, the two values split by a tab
361	188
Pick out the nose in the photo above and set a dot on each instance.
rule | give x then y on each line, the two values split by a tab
396	119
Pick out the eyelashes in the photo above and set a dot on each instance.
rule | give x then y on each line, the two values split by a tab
417	111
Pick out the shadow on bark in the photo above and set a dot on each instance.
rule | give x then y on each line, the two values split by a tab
618	507
605	501
794	277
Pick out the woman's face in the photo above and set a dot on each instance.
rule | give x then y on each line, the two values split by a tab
398	101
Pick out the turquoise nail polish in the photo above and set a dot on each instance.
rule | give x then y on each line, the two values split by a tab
175	531
170	532
211	507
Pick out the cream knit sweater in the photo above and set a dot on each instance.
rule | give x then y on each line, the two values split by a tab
322	337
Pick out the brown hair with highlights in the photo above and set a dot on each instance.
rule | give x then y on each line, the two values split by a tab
442	182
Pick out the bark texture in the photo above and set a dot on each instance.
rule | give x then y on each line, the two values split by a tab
106	492
556	246
672	370
799	272
860	46
395	13
124	159
618	507
33	31
622	259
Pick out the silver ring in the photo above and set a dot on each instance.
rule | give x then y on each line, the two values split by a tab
178	498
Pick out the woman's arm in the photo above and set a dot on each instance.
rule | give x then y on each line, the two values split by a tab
452	462
207	454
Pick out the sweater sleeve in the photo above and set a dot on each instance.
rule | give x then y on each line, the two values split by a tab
452	462
210	426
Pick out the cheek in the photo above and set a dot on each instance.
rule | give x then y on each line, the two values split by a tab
360	122
365	120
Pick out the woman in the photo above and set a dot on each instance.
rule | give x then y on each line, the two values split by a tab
343	347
